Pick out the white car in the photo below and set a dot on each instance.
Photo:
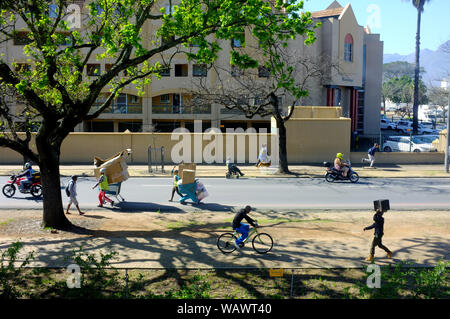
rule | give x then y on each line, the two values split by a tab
387	125
407	144
406	127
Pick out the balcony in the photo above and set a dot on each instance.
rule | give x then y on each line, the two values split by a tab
118	109
234	111
184	109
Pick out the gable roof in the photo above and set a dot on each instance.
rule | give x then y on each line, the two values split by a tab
335	12
334	5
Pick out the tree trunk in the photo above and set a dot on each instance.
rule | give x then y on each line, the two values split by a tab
282	149
53	211
416	75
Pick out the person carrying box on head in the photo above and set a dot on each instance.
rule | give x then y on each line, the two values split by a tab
378	225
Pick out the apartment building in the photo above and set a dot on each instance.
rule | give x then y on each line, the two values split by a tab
168	103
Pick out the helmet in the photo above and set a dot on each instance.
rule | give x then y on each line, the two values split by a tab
340	155
103	170
248	208
27	165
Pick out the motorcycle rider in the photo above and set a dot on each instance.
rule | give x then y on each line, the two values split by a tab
340	166
28	173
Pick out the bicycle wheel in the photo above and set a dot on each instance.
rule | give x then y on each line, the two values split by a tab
225	243
262	243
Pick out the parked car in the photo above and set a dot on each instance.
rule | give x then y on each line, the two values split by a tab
427	138
404	126
407	144
385	124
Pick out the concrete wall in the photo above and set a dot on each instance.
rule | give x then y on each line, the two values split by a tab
402	157
307	142
316	140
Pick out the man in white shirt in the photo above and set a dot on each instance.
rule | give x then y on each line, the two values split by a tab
72	188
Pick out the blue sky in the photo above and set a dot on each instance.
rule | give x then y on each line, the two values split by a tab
396	21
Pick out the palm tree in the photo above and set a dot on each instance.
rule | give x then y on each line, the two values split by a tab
418	4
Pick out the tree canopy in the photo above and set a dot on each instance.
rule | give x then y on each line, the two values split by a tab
59	39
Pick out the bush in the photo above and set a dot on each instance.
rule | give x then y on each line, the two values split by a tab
11	277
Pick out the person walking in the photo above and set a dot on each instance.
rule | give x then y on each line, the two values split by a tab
103	187
371	154
378	235
72	192
176	178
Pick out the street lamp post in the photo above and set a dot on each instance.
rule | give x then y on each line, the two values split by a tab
447	144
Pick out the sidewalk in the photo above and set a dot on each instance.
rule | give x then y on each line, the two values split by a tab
325	239
300	171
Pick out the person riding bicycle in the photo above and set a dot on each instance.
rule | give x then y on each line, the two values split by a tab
340	166
28	173
242	228
232	168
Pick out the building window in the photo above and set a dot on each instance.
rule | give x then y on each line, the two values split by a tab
348	48
21	38
164	71
199	70
108	67
165	98
170	9
53	11
263	72
93	69
239	41
181	70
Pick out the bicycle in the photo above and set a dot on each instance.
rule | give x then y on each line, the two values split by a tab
262	242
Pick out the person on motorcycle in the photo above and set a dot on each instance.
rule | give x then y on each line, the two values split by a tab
340	166
28	173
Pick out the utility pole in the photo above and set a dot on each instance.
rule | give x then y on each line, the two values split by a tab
447	144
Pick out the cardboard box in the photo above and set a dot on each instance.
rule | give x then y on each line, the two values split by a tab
382	204
116	167
183	166
188	176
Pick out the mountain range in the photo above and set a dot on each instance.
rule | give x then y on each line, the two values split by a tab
436	63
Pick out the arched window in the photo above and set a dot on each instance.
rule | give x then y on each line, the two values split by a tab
348	48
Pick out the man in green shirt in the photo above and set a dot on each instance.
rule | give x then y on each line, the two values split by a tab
103	187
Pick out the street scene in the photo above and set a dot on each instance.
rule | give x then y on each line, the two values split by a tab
218	150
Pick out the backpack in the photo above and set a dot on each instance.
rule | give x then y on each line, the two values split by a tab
67	190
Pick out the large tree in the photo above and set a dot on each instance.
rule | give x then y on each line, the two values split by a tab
401	90
419	5
282	82
128	34
392	70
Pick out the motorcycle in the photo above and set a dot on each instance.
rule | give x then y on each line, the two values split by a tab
333	174
35	189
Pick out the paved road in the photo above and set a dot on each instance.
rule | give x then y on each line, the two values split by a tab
272	193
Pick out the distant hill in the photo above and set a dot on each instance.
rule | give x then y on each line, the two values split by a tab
436	63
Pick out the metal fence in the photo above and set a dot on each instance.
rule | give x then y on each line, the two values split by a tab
156	159
361	143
